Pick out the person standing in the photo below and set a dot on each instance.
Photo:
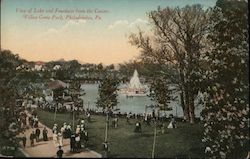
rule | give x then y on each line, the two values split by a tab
64	130
37	134
82	123
89	116
31	121
116	121
78	129
54	129
163	128
55	140
77	142
82	136
127	117
173	122
86	138
24	139
45	134
60	139
35	122
59	153
153	114
32	138
68	131
72	143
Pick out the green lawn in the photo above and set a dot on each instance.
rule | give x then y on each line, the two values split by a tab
184	141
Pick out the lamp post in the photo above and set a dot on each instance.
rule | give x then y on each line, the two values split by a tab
153	151
106	129
73	116
55	114
155	131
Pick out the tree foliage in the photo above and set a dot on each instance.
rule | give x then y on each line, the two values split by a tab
226	84
160	92
107	92
177	42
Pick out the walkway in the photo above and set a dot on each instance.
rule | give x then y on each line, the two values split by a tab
48	149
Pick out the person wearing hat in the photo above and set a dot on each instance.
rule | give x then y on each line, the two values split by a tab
54	129
82	123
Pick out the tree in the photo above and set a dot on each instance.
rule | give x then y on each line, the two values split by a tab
8	64
8	110
159	92
100	67
107	97
226	111
75	93
177	42
107	92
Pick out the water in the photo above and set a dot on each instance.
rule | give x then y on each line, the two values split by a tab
134	105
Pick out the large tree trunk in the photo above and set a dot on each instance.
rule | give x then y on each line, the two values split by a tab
184	95
182	100
191	109
186	110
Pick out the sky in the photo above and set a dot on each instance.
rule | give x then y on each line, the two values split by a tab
45	30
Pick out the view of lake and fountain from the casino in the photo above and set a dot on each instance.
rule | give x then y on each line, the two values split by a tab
134	104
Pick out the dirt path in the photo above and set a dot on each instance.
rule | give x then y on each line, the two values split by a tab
48	149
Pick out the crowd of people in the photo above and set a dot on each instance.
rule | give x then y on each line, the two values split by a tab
78	136
35	133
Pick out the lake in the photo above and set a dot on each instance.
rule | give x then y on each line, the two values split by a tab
135	104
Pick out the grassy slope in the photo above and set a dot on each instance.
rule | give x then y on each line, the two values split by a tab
183	141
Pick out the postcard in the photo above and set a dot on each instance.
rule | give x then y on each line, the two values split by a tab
124	79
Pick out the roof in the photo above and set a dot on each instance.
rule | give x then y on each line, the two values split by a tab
57	84
39	63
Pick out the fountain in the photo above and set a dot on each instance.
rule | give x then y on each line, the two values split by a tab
134	88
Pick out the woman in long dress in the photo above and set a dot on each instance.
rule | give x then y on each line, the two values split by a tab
170	125
55	140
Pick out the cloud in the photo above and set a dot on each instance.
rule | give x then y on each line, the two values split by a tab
67	26
118	23
138	22
126	24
